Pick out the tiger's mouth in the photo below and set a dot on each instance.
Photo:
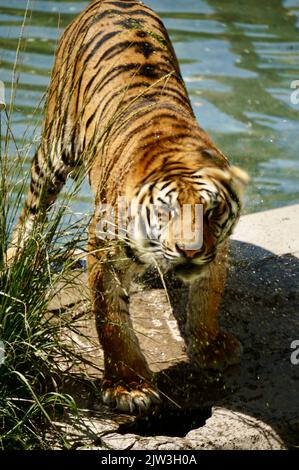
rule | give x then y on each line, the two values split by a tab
186	271
189	271
184	268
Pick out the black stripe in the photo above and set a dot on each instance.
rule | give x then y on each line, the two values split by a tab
172	166
154	96
52	190
73	147
130	23
165	115
175	91
49	162
41	159
86	46
61	118
161	200
78	95
149	71
90	119
131	254
136	85
125	298
151	187
148	215
65	158
35	163
145	48
34	188
123	310
81	50
36	167
165	185
184	126
142	34
173	190
134	24
231	193
152	16
221	226
162	72
122	4
113	51
59	177
99	44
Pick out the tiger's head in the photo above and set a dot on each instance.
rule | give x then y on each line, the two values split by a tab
179	222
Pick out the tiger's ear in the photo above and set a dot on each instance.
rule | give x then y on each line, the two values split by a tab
239	180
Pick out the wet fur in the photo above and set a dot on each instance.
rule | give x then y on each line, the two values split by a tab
118	107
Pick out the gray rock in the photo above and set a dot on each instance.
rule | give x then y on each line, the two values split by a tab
231	430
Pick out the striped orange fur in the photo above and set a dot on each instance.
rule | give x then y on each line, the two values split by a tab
118	108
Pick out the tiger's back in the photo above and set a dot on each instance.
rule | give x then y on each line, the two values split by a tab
117	88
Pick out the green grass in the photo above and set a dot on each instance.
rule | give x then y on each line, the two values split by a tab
31	377
31	380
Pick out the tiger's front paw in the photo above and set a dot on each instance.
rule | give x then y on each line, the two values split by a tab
223	351
132	397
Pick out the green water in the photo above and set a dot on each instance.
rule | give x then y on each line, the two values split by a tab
238	58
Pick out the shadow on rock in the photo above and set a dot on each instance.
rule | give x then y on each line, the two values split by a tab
260	307
252	405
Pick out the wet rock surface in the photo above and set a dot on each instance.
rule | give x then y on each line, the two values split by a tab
254	405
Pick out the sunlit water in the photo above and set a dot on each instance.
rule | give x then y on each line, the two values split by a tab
238	58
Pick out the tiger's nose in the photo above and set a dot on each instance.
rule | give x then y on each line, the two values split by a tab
187	253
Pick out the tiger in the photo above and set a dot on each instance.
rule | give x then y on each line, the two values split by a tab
118	109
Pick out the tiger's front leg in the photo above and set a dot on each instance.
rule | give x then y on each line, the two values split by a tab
128	381
207	345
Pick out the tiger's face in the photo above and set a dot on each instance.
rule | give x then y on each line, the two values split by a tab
179	223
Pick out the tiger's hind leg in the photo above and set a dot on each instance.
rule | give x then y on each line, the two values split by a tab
128	382
207	345
47	179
